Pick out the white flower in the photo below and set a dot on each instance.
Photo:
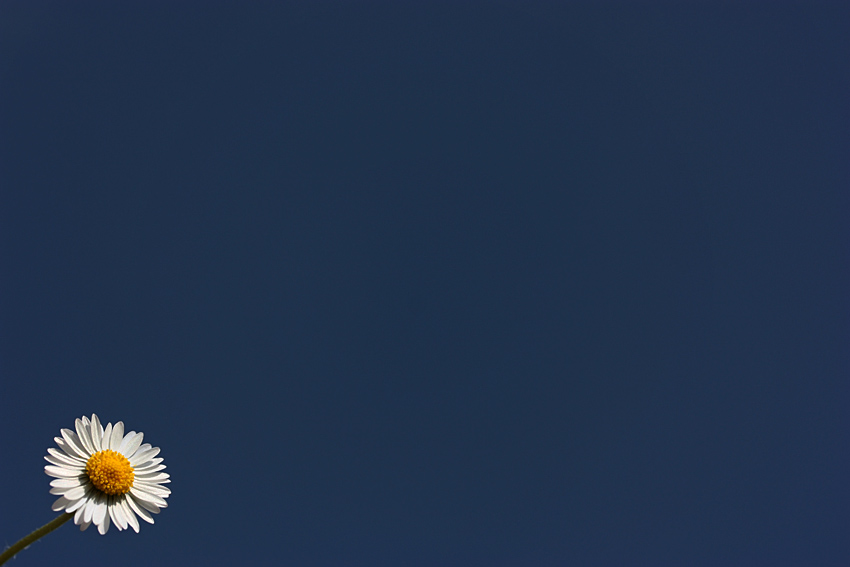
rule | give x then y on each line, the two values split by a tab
102	475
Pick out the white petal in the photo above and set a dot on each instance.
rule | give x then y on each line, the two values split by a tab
142	457
143	497
88	509
117	436
68	449
64	463
129	514
70	493
138	509
123	513
142	448
103	527
117	514
90	430
96	432
83	434
66	482
99	510
110	511
62	490
154	489
148	501
62	472
78	505
107	437
63	455
73	493
153	476
151	466
111	514
72	441
131	443
60	504
153	483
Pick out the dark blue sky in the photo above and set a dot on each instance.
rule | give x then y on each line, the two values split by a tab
434	283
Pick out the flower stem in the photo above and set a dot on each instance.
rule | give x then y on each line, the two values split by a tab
39	533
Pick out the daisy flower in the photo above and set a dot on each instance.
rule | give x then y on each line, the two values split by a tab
103	476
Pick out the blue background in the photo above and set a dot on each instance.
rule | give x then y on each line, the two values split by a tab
433	283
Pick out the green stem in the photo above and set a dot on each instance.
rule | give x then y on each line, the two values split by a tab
39	533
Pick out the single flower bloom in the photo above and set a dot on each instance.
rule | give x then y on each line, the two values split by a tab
103	475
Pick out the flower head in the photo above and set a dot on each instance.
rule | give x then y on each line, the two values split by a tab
103	475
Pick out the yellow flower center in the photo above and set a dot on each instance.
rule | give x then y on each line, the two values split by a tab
110	472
